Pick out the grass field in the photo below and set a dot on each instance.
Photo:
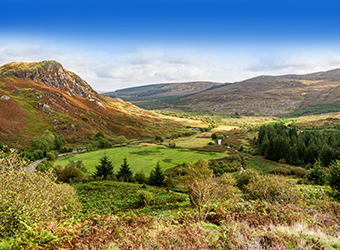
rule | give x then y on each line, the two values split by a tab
141	158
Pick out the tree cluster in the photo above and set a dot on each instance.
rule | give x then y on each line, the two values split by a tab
278	142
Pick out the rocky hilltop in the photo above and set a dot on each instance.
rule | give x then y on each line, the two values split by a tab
52	74
40	96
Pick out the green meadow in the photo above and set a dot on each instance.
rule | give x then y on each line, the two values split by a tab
142	158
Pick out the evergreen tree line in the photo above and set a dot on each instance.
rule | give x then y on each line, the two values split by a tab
286	144
105	169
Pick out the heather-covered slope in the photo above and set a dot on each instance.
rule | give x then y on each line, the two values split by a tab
39	96
271	95
263	95
161	90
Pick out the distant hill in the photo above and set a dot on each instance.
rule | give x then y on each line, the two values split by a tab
38	96
162	90
292	95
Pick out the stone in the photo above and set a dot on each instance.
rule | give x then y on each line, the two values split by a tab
4	98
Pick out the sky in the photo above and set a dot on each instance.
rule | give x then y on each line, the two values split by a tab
120	44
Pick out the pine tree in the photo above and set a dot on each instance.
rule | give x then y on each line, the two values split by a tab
156	176
105	167
125	173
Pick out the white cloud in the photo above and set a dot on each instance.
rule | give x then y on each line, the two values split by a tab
108	68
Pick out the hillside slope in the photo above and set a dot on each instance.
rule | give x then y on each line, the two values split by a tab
161	90
267	95
35	97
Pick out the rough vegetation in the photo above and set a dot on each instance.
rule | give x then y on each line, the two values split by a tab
35	97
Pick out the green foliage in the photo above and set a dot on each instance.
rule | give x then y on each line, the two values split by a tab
214	136
220	168
106	197
50	156
69	174
121	139
1	145
157	176
281	171
140	177
105	167
317	174
299	172
204	190
59	141
99	134
102	143
334	175
286	143
44	166
29	197
244	178
124	173
38	154
66	150
89	147
158	138
144	197
40	143
269	188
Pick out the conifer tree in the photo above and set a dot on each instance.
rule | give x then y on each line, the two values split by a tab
105	167
157	176
125	173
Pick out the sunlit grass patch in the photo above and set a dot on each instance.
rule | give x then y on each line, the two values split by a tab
141	158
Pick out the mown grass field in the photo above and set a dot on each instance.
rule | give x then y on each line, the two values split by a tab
142	158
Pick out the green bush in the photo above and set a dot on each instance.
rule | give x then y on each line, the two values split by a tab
280	171
334	175
299	172
38	154
144	197
269	188
317	174
50	156
30	197
244	178
69	174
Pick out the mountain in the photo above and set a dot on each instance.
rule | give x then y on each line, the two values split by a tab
266	95
40	96
161	90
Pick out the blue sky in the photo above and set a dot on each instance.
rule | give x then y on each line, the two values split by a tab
118	44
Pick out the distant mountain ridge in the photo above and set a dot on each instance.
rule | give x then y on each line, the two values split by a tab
40	96
292	94
162	90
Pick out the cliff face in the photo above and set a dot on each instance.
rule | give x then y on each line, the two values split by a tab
52	74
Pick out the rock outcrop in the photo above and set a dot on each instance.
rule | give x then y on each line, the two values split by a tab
52	74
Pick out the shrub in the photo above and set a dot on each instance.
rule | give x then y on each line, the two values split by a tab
317	174
38	154
50	156
144	197
244	178
270	188
299	172
29	197
69	174
140	178
280	171
334	175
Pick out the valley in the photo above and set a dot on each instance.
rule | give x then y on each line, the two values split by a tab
247	165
